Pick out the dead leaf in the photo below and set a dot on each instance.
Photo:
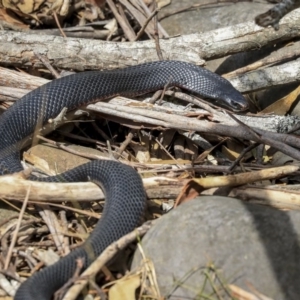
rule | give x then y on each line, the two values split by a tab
38	162
205	153
231	154
190	191
9	17
26	7
125	288
162	3
283	105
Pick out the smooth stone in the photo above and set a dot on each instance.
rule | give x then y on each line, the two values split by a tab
248	244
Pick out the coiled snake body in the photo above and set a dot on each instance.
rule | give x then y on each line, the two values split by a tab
125	196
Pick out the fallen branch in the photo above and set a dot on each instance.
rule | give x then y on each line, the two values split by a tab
268	77
131	116
15	186
82	54
287	198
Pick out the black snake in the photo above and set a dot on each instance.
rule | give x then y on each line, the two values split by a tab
125	196
278	11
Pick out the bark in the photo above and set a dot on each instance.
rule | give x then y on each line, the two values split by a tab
265	78
18	49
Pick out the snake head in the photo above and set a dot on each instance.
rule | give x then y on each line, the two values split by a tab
234	101
210	86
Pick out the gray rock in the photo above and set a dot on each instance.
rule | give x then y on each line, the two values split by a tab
248	244
208	18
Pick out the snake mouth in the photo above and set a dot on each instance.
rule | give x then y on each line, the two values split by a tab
236	104
238	107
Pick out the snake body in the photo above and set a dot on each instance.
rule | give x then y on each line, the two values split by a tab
125	196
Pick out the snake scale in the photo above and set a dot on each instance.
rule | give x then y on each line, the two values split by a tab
276	13
125	196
